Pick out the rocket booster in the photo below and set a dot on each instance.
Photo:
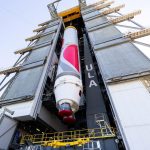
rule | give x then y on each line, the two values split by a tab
68	85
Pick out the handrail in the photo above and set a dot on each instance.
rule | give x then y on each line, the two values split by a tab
62	138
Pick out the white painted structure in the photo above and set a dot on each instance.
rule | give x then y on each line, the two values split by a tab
131	104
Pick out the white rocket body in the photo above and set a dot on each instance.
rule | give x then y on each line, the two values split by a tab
68	85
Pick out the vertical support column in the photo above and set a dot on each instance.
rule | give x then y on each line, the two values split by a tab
82	3
95	107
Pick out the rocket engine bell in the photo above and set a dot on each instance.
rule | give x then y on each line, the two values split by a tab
68	85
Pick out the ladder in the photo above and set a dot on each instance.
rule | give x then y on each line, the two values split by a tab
102	122
92	145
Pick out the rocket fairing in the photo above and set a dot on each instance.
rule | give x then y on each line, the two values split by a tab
68	85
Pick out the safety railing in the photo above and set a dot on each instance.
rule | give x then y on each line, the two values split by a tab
69	136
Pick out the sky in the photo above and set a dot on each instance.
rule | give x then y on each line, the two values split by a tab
18	18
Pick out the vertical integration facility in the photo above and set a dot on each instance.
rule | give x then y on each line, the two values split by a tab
80	84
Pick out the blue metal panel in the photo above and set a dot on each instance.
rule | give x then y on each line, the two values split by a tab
121	60
90	15
95	22
37	55
104	34
54	22
51	29
87	10
44	39
24	84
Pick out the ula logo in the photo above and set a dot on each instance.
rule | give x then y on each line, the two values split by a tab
89	69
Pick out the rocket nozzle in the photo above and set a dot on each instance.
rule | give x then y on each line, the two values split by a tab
69	119
65	110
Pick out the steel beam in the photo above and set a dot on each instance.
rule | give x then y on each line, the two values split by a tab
125	17
24	50
10	70
130	27
132	21
112	10
139	34
39	36
104	5
40	29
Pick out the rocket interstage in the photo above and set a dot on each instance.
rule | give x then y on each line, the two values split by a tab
68	86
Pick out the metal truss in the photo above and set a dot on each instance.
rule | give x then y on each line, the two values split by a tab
129	17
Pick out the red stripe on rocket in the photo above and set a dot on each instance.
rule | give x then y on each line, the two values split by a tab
71	55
